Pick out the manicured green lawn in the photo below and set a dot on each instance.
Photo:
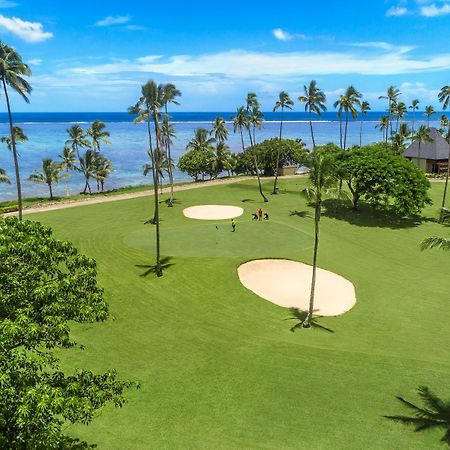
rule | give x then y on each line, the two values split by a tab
219	367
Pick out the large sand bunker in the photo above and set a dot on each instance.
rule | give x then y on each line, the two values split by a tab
213	212
288	283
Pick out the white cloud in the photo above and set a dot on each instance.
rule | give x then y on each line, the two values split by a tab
433	10
7	4
27	31
253	65
35	62
113	20
383	46
283	35
396	11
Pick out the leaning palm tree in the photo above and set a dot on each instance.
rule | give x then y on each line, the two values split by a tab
422	136
414	107
98	133
364	107
392	95
68	163
435	414
284	101
19	136
314	100
444	98
322	178
170	94
429	111
12	73
219	130
50	174
239	123
4	177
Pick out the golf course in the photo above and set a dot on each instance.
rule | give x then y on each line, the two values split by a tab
222	368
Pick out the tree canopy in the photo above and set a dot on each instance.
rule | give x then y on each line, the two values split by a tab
44	284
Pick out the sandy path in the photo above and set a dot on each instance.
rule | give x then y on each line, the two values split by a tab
287	283
114	198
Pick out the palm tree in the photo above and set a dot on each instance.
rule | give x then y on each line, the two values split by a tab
19	136
170	93
422	136
444	98
201	140
12	71
76	142
68	164
50	174
392	94
219	129
322	177
221	157
435	414
429	111
97	132
88	164
352	100
400	110
414	106
4	177
444	122
364	107
284	101
383	125
314	100
103	168
340	103
168	134
239	123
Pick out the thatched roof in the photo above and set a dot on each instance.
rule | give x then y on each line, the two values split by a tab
437	149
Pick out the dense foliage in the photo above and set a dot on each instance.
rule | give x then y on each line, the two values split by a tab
382	178
45	283
292	152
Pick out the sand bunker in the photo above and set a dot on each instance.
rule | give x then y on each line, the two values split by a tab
287	283
213	212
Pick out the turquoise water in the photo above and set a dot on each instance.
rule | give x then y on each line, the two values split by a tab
47	135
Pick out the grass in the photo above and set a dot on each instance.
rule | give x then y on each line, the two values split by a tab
219	367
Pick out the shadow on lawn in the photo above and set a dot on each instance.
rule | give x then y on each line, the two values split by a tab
301	214
300	316
151	268
369	216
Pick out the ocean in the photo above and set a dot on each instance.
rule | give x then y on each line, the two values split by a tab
128	150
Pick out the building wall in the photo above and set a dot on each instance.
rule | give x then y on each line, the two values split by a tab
288	170
422	163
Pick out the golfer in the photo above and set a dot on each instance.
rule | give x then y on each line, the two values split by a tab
233	226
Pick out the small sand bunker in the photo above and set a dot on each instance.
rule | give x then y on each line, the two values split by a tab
213	212
288	283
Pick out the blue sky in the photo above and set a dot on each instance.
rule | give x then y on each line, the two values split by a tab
93	56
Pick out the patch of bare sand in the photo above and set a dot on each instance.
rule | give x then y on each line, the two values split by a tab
213	212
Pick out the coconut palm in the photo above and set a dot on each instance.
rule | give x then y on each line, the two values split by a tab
347	103
252	101
4	177
19	136
50	174
239	123
392	94
399	112
422	136
98	133
444	123
12	73
68	163
78	141
322	178
364	107
103	168
170	94
219	129
444	98
221	157
284	101
201	140
429	111
256	120
339	104
404	131
383	125
414	107
435	414
314	100
88	164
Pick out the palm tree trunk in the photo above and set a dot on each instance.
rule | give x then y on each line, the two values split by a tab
340	131
389	119
67	183
259	178
444	196
311	128
51	192
412	134
169	162
242	140
307	322
14	149
345	132
151	154
281	121
158	268
360	131
278	156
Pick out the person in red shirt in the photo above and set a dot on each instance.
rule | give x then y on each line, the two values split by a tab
260	213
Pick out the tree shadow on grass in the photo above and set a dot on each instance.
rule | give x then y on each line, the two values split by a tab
247	200
151	268
300	317
300	213
369	216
